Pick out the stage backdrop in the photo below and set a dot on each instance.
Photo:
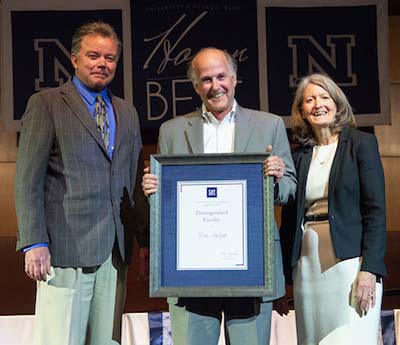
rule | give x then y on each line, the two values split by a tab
275	42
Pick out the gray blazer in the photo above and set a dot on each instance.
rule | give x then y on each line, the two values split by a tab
67	190
254	131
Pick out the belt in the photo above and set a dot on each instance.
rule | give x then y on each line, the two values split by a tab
316	218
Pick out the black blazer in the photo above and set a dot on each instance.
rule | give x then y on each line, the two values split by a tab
356	203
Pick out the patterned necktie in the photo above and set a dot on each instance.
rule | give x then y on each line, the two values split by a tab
101	116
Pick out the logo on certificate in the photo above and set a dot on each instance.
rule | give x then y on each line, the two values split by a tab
211	192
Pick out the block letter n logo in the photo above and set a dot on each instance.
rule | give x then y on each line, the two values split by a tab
335	60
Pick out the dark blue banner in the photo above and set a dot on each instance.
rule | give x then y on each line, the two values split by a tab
166	34
41	44
338	41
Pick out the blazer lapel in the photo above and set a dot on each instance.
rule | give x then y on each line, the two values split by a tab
78	107
302	167
337	161
119	122
243	129
194	133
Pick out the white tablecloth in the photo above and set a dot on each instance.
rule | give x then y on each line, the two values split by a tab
18	329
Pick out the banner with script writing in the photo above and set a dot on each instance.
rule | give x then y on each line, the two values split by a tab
166	34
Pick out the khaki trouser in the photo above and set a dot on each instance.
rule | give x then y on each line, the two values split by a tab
77	306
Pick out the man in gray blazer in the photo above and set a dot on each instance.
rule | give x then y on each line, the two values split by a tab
222	126
76	170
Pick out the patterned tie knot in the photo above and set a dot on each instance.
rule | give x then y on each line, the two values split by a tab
101	116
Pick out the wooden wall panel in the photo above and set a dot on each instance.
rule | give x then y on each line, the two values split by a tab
389	136
8	146
392	281
8	156
8	223
147	151
137	298
391	166
17	291
394	48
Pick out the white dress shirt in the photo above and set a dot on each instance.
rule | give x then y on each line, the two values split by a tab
219	137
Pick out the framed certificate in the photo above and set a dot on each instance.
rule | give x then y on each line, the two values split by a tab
211	226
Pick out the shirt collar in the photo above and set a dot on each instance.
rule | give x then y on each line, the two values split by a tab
90	95
210	118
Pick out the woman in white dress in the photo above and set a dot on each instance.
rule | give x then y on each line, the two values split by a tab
334	234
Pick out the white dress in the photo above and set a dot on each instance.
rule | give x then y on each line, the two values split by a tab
326	312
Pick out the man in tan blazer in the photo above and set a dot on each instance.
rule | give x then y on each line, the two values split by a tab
74	170
224	126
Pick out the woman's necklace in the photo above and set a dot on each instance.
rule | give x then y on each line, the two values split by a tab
323	153
320	161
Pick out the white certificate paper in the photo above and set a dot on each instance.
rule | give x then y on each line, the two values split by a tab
211	225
